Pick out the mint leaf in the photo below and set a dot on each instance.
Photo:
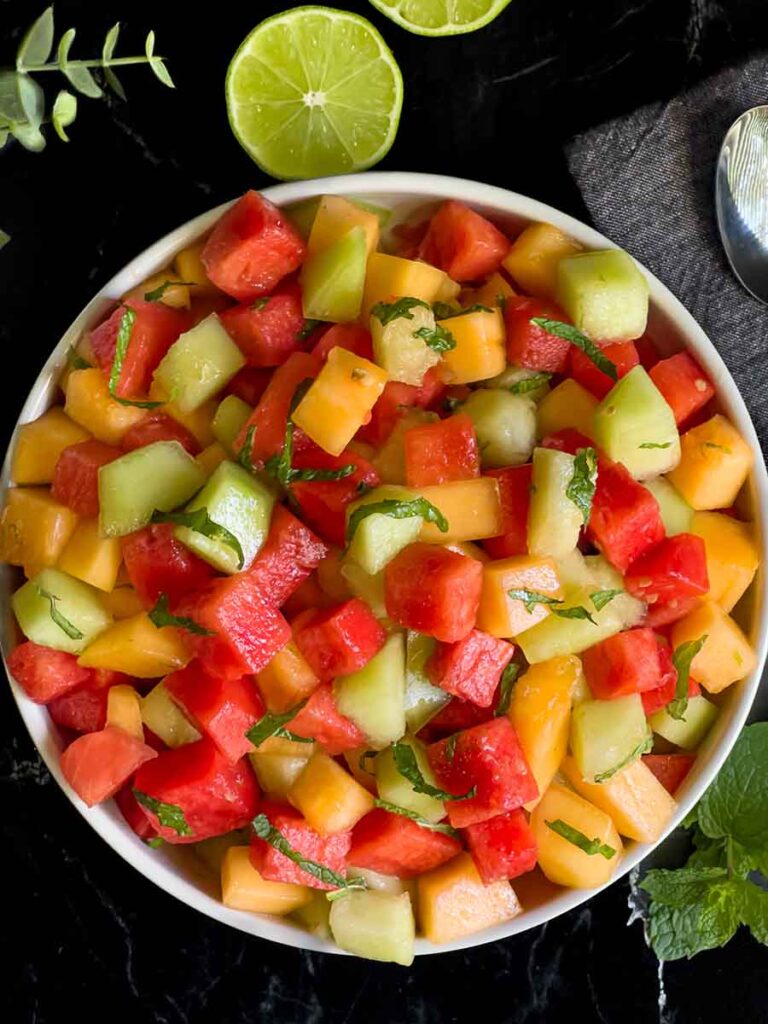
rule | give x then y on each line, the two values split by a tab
397	509
261	303
576	838
245	455
323	474
157	293
682	657
753	904
199	521
532	383
642	748
736	804
280	465
274	725
64	624
570	333
386	312
169	815
652	444
450	747
506	685
366	756
678	888
265	830
601	598
307	329
160	616
577	611
405	812
437	338
676	932
76	361
531	598
583	482
407	765
124	332
445	311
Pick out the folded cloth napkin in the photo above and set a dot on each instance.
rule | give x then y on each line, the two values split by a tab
648	182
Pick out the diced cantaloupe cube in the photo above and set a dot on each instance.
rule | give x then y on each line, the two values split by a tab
726	656
505	616
715	461
568	406
479	353
335	217
211	458
138	648
636	801
189	267
173	290
493	293
39	444
90	404
124	710
340	399
286	680
243	888
34	529
391	277
563	862
164	717
732	555
199	422
532	261
540	711
328	797
122	602
92	558
471	507
453	902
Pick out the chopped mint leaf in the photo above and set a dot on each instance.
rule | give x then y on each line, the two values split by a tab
577	611
572	835
76	361
307	329
261	303
245	455
583	482
160	616
570	333
157	293
386	312
407	765
274	725
265	830
385	805
681	659
528	384
506	685
199	521
169	815
531	598
437	338
397	509
63	623
642	748
445	311
652	444
601	598
124	332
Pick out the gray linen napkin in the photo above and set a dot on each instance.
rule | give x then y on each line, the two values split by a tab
648	181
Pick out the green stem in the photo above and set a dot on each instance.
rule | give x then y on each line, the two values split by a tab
117	62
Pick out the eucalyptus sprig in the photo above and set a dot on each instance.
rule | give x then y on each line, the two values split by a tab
22	100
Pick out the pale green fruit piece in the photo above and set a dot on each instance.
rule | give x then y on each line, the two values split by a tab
373	696
369	588
690	730
199	364
332	280
375	925
396	789
379	537
161	714
604	294
441	17
422	699
74	601
505	425
516	376
554	521
676	513
231	414
608	734
399	350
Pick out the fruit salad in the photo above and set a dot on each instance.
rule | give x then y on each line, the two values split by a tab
390	569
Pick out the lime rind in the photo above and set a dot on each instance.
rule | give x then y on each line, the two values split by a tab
313	92
440	17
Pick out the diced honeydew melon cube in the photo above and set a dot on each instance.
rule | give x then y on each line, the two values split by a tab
390	458
373	696
676	513
422	699
199	363
163	716
368	587
73	600
634	425
276	773
231	414
505	425
602	573
513	375
379	537
159	476
689	731
375	925
604	294
314	915
396	789
241	504
554	520
337	215
332	280
381	883
399	350
608	734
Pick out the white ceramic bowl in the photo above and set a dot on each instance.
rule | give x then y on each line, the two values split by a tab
174	869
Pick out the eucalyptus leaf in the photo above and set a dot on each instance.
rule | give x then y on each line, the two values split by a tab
64	113
31	138
81	79
32	100
161	72
11	109
114	83
110	42
65	45
36	46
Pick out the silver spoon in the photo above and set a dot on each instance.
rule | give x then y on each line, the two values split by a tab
741	199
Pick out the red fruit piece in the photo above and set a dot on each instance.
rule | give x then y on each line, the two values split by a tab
515	494
251	249
622	354
157	564
45	674
673	570
393	400
133	814
463	243
436	453
489	758
472	667
683	384
320	720
663	614
290	553
658	698
340	640
623	664
249	384
213	795
82	710
329	851
530	345
625	520
352	337
394	845
96	765
76	476
268	330
455	716
159	427
324	502
433	590
669	769
502	847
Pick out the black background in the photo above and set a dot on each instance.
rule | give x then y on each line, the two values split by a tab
82	934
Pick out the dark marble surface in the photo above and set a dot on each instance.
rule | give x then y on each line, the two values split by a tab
82	934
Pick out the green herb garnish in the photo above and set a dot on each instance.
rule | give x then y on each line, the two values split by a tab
76	361
245	455
408	766
532	383
298	475
157	293
570	333
404	812
653	444
531	598
506	685
274	725
307	329
160	616
279	465
577	611
589	846
64	624
386	312
397	509
261	303
583	482
199	521
601	598
155	842
437	338
169	815
681	659
124	332
445	311
642	748
721	447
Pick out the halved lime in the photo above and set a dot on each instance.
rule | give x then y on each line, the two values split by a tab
440	17
314	91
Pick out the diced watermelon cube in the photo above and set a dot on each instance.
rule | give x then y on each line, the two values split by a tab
665	613
502	847
568	440
394	845
290	553
684	385
320	720
471	668
394	399
155	328
489	758
622	354
158	427
625	520
157	564
352	337
433	590
223	710
623	664
330	851
673	570
76	476
647	351
324	502
463	243
251	249
268	330
530	345
45	674
96	765
455	716
133	814
213	795
515	494
340	640
656	699
250	383
436	453
669	769
81	710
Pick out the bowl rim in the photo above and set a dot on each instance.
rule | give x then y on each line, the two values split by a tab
388	187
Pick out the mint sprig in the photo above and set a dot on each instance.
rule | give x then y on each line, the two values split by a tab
570	333
506	686
169	815
583	483
405	812
386	312
682	657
